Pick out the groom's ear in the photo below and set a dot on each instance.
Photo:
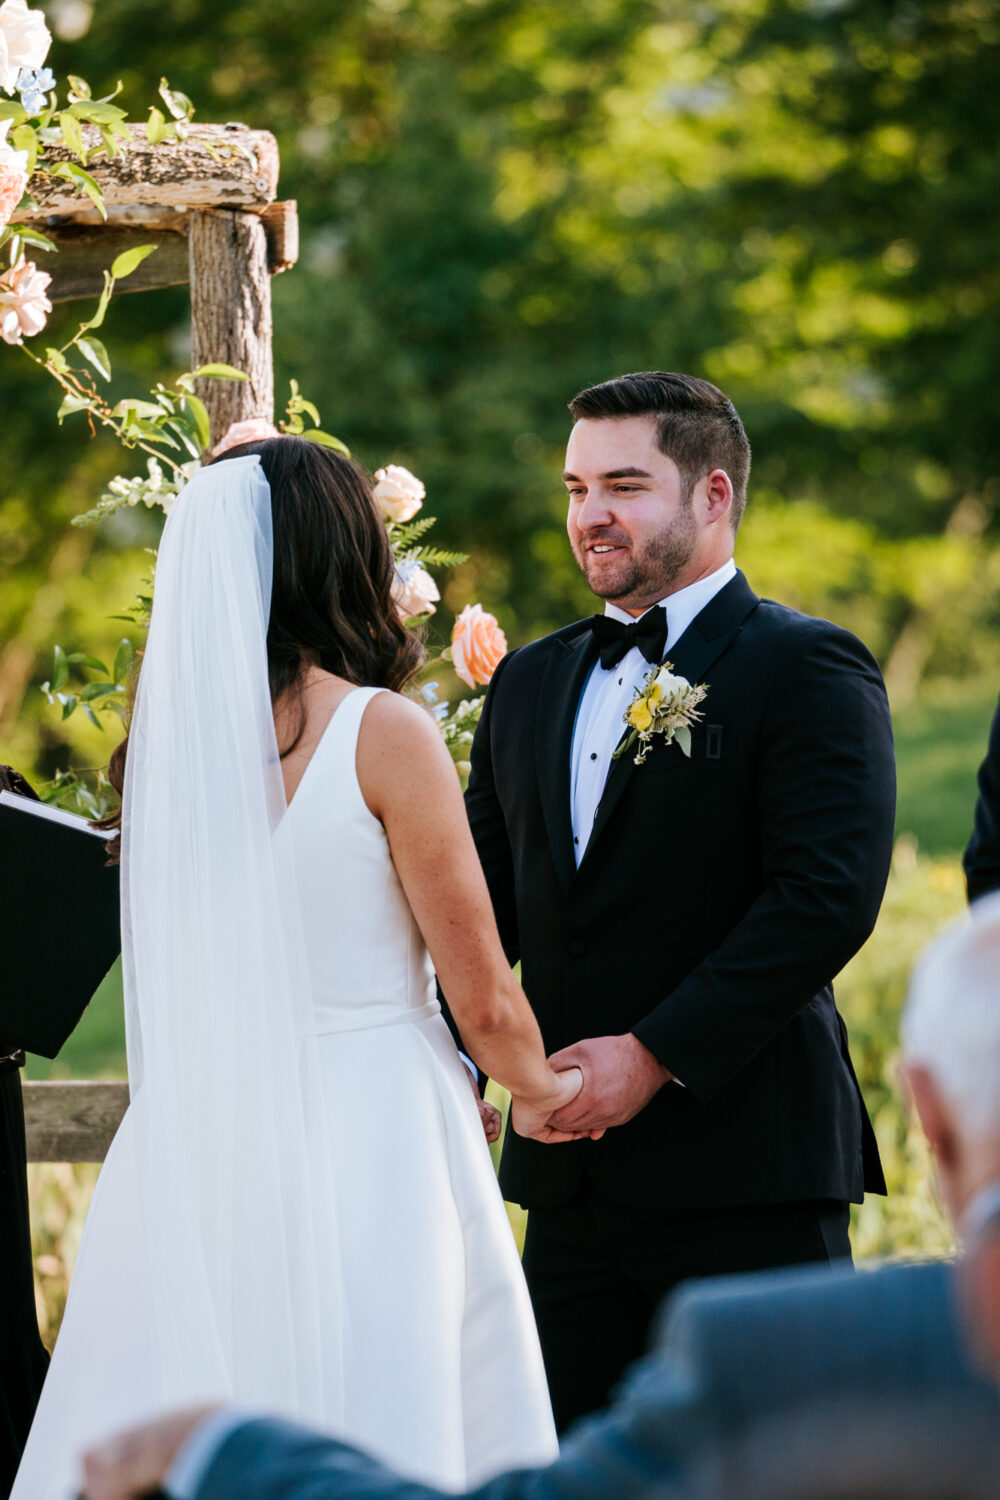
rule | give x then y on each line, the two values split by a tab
717	489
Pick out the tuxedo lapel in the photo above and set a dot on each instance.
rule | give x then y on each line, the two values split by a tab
562	684
706	638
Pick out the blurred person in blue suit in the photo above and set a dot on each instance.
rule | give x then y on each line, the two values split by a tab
732	1353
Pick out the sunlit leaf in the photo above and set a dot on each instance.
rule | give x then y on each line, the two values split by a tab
199	415
326	440
157	129
123	265
71	134
219	372
94	351
81	658
178	104
34	237
60	669
123	658
70	403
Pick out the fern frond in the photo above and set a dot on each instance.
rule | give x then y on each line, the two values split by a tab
407	534
433	557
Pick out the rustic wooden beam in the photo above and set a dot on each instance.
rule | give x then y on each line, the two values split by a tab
86	251
231	314
157	186
72	1121
281	225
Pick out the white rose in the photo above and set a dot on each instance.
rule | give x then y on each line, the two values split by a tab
669	685
24	41
23	303
399	492
414	591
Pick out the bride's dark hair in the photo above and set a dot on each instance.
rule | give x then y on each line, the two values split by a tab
331	590
331	593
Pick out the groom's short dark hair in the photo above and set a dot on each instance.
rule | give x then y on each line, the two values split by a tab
699	427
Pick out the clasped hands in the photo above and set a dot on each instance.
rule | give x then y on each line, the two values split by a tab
618	1077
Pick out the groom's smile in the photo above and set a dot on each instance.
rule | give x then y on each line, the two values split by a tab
635	533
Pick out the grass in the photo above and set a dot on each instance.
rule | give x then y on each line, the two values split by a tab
940	742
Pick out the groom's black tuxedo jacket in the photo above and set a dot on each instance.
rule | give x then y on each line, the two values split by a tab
717	899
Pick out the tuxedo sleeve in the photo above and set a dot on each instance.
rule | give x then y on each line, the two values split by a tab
982	857
825	808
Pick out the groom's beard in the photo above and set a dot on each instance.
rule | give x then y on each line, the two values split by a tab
643	573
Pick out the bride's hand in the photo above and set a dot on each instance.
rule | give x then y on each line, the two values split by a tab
530	1117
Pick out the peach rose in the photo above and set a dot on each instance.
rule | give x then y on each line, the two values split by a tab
13	175
23	303
477	645
250	430
414	591
24	41
400	493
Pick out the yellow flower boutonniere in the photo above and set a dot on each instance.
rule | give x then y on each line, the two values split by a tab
664	705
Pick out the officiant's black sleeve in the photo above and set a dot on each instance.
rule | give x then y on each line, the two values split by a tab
825	808
982	857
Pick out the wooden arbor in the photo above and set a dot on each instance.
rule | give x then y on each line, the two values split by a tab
213	217
208	204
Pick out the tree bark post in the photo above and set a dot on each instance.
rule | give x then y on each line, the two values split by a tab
231	314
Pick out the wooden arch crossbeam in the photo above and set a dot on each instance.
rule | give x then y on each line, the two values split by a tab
213	216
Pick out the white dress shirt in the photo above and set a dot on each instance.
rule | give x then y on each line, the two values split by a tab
600	717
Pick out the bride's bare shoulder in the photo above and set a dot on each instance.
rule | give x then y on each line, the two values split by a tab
401	754
400	721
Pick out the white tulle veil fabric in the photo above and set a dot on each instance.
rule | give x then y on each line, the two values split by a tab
223	1074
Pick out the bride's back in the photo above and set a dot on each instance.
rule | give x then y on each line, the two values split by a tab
368	961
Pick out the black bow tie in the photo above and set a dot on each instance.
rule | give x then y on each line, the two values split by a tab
615	640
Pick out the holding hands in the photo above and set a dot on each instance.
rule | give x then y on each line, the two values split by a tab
533	1116
620	1076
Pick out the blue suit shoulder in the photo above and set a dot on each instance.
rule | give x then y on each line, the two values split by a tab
763	1339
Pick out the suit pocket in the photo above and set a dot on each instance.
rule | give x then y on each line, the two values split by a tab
711	744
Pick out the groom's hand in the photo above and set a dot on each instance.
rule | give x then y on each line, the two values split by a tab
620	1076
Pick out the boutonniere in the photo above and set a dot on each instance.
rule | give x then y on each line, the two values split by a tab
663	704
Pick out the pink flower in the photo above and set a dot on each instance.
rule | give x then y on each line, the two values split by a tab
13	175
414	591
250	430
477	645
24	41
23	303
398	492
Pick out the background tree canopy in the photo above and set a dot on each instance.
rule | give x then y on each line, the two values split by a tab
505	200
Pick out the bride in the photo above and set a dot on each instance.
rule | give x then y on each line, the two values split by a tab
299	1210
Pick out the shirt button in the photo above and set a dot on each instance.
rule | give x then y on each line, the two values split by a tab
594	755
575	839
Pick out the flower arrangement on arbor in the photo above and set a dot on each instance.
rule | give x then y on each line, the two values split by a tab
170	424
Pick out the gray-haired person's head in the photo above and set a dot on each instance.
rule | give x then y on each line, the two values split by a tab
951	1051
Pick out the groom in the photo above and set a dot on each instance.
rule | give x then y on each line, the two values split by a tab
679	923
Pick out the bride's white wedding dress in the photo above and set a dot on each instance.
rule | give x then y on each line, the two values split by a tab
432	1335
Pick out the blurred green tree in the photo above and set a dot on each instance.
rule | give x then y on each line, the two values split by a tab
503	201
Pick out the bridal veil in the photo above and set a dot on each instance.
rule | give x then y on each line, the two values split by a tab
217	993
